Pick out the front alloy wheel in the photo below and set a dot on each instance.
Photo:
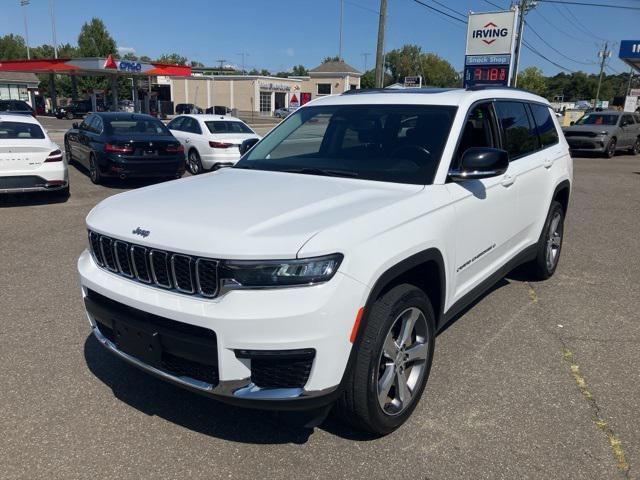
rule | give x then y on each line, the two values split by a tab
611	148
402	361
636	147
392	359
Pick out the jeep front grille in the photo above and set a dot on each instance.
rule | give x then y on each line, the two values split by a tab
167	270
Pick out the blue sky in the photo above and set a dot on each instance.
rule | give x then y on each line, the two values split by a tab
277	34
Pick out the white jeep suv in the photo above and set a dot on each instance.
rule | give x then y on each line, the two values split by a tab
319	269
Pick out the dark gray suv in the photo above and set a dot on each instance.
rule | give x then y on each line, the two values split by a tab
605	132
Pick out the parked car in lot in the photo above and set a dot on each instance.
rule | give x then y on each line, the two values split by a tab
605	132
16	106
124	145
29	160
319	268
283	112
218	110
183	108
210	141
74	110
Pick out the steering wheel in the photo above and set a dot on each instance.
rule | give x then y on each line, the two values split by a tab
411	151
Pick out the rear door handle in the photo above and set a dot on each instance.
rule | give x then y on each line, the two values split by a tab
187	141
508	180
548	163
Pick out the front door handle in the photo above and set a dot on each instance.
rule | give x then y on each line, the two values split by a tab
508	180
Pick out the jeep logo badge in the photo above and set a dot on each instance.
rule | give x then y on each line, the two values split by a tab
139	231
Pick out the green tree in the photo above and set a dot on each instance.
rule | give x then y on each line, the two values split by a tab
195	63
132	57
94	40
145	59
532	79
410	60
335	58
299	71
172	58
265	73
12	47
437	72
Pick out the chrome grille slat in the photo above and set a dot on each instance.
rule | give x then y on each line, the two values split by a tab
123	261
158	260
176	272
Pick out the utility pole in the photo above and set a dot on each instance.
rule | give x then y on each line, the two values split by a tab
604	54
630	78
366	56
23	4
521	10
340	41
380	48
221	60
53	30
243	54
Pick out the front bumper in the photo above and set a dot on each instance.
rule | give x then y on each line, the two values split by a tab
592	144
318	318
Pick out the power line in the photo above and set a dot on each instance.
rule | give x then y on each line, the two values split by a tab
495	5
439	11
585	4
361	6
554	48
575	21
463	15
558	29
536	52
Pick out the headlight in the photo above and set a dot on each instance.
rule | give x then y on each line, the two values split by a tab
604	133
278	273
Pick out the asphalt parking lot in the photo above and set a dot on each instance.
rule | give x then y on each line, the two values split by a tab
537	380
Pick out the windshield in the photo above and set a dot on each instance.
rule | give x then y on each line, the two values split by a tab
388	143
141	126
15	130
598	119
218	126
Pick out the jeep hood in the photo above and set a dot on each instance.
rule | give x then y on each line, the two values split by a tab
241	214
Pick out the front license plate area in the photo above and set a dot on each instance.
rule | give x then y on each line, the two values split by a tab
139	343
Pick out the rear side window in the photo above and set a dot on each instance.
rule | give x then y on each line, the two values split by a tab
176	123
221	126
20	130
627	120
191	125
544	123
519	135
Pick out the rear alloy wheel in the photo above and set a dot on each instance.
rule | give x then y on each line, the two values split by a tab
193	163
94	171
611	148
69	116
392	362
636	147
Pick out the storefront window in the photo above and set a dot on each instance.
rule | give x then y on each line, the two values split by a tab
324	89
14	92
265	101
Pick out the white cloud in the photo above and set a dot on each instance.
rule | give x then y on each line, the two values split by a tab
125	50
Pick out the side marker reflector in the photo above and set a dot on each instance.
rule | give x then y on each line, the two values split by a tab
356	325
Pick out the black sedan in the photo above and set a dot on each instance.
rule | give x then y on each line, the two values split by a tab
124	145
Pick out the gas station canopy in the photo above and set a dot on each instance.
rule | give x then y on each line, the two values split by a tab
630	53
94	66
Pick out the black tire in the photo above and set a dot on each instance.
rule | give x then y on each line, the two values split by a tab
194	164
69	116
635	149
611	148
67	153
542	267
360	404
94	170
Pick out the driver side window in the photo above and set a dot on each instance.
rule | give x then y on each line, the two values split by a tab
479	131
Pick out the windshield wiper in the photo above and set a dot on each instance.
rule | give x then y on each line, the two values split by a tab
323	171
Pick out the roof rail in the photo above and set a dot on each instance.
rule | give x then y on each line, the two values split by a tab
475	88
397	90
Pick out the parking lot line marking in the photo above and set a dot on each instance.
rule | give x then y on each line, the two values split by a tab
614	442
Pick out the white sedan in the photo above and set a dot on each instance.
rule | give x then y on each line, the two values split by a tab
210	141
29	160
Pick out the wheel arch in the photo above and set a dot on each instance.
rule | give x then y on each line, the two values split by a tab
562	193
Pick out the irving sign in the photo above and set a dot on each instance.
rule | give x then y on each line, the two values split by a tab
491	33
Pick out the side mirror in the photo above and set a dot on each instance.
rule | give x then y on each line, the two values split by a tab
478	163
75	125
247	145
572	123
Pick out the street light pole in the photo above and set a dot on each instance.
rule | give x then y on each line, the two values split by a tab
23	4
53	30
340	41
380	48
